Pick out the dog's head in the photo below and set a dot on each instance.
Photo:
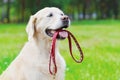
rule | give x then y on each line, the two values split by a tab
46	22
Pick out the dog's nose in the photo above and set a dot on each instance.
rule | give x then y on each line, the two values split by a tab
65	20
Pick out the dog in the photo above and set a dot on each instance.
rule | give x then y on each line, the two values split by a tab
33	61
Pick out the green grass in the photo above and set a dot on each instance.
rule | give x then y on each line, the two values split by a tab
100	42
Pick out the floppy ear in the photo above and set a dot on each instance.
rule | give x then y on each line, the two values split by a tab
30	29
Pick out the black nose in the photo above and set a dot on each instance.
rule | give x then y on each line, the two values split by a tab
65	20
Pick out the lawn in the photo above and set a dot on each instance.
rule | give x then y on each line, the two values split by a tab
99	40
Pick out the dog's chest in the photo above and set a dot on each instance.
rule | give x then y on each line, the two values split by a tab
40	68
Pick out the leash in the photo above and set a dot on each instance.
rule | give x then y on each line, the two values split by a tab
52	52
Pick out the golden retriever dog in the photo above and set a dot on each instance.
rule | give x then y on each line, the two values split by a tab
33	61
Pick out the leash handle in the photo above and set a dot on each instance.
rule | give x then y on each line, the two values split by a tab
78	46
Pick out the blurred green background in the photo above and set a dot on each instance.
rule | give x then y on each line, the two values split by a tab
95	23
20	10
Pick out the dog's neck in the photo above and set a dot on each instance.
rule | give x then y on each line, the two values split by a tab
44	44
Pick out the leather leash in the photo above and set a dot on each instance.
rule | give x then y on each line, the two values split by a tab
52	52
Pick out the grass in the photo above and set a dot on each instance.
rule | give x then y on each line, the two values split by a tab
100	42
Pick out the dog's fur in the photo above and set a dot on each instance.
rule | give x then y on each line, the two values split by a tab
33	61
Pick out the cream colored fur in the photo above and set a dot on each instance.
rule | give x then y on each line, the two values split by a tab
33	61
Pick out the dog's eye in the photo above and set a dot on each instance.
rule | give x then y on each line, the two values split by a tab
62	14
50	15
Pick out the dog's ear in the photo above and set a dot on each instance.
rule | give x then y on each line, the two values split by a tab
30	29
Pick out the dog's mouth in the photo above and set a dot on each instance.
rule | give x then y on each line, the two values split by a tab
61	35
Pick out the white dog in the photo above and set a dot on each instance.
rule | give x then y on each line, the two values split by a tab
33	60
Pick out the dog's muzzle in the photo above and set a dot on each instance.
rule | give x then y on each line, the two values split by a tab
65	24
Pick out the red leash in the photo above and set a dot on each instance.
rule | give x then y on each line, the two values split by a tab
52	53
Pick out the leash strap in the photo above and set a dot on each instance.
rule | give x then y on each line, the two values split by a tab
52	53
